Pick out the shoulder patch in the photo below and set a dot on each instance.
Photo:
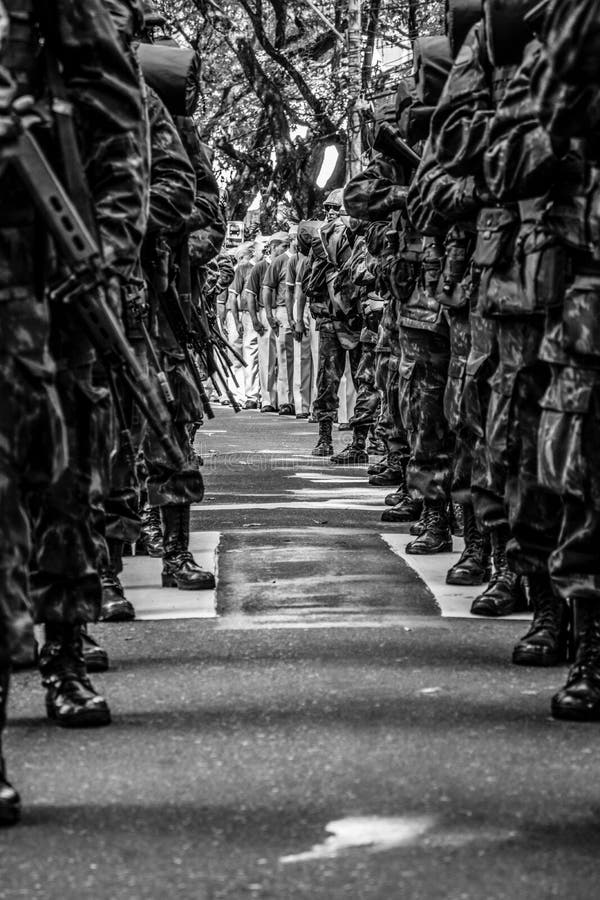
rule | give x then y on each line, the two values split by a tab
465	56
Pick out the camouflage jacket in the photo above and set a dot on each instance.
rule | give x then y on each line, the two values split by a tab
172	177
461	121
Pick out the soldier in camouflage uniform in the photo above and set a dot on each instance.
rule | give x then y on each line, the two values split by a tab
65	588
440	204
459	136
336	316
566	89
518	164
377	195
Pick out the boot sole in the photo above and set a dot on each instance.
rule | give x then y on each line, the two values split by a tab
442	548
9	815
573	714
468	580
170	582
86	719
118	617
399	517
96	663
523	657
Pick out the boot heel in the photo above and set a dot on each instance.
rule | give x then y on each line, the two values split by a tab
168	581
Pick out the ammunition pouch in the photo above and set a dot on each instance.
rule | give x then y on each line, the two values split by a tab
422	310
453	291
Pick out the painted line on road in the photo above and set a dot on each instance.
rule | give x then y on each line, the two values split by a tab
141	579
454	601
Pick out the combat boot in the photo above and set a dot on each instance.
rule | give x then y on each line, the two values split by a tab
150	541
545	644
404	507
95	657
505	593
376	444
71	700
436	536
180	569
378	467
473	567
418	527
115	606
393	473
579	700
324	445
354	454
10	802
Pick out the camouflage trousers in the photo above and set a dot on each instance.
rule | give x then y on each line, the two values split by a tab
390	425
33	453
119	518
488	482
569	437
513	422
460	345
423	377
64	578
368	401
332	362
165	485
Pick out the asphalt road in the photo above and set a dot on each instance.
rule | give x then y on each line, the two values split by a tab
328	735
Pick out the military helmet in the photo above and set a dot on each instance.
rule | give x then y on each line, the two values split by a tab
433	62
508	29
461	15
335	198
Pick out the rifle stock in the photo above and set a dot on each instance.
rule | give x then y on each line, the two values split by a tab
83	288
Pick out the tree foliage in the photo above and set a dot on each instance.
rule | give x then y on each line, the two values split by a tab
275	89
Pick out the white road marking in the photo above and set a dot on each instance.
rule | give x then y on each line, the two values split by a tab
372	833
297	504
141	579
377	834
455	602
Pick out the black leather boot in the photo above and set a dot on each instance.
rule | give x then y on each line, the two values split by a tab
418	527
545	644
115	605
150	541
473	567
378	467
179	567
405	508
10	802
354	454
95	657
505	593
71	700
436	536
324	446
579	700
393	473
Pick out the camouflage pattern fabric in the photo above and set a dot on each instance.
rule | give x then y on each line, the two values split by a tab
64	583
518	385
423	376
332	362
366	409
460	345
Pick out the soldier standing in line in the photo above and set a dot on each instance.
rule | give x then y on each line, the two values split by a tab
459	135
566	91
336	319
65	592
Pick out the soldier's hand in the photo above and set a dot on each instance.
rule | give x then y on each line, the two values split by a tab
299	331
259	328
274	324
240	328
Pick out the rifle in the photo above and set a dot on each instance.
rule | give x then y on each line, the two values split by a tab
388	141
170	304
85	285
